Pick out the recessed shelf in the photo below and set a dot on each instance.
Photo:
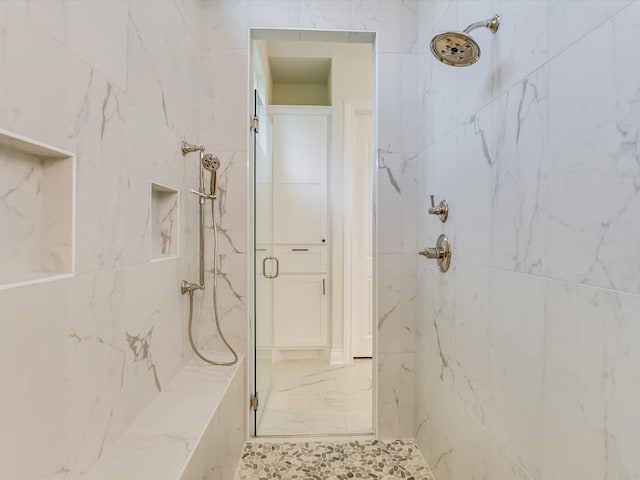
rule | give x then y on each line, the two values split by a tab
165	221
37	196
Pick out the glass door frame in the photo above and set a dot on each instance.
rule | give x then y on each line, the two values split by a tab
349	36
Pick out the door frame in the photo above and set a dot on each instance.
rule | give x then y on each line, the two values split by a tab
351	109
347	36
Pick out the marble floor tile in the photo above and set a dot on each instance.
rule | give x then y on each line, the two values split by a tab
371	459
312	397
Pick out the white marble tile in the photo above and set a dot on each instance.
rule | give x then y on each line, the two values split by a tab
589	390
33	406
438	177
476	454
324	14
25	95
231	204
96	368
311	396
231	301
622	361
162	58
475	169
224	89
97	32
397	103
576	382
389	100
593	156
149	455
396	303
569	21
189	11
103	191
395	21
397	184
438	95
435	417
472	317
48	15
229	437
515	50
436	320
274	13
520	119
224	24
516	363
475	87
396	395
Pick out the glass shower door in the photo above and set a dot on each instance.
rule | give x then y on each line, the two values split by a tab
265	264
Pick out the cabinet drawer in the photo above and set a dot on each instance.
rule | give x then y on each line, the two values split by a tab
301	258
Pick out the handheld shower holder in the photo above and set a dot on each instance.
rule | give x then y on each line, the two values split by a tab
187	148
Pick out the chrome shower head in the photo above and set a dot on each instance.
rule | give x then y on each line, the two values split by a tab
455	48
190	148
458	49
210	162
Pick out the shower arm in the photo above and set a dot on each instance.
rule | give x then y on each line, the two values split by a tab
492	24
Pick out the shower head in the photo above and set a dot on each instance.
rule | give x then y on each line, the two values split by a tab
458	49
190	148
210	162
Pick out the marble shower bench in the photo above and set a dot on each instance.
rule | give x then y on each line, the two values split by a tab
193	430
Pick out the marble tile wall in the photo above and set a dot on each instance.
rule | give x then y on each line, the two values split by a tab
116	83
223	122
528	347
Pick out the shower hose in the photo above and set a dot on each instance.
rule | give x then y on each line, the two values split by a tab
215	304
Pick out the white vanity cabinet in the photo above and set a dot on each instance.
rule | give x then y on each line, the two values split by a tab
299	229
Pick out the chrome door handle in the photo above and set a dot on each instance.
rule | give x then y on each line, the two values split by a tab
264	267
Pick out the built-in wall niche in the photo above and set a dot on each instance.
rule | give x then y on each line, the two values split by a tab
37	201
165	221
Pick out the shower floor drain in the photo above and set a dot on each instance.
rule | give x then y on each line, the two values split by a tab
333	460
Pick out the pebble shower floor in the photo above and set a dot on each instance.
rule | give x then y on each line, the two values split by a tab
373	460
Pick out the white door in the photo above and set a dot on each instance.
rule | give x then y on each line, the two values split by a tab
361	247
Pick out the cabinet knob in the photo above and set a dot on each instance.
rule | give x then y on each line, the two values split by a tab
323	240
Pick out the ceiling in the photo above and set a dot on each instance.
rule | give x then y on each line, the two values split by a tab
300	70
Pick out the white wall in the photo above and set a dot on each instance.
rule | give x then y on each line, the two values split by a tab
116	84
529	346
224	27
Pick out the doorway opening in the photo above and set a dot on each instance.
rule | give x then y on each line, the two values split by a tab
312	188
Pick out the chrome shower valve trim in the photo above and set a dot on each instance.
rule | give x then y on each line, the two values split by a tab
442	210
441	253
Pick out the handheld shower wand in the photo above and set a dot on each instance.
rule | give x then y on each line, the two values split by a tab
211	163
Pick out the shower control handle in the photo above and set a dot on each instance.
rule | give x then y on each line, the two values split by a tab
442	210
441	253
